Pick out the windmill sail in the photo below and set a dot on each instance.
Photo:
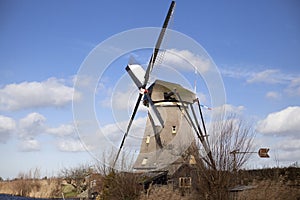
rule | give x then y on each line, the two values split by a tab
136	72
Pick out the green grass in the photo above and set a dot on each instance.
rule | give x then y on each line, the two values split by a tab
69	190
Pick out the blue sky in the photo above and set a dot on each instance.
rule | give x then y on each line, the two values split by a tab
254	44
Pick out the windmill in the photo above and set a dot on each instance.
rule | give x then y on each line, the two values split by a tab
172	121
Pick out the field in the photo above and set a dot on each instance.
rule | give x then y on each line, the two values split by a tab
277	183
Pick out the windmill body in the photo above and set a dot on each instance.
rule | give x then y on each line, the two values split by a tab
161	147
171	123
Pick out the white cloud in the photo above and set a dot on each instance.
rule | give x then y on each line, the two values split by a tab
235	72
26	129
29	145
31	125
67	140
295	82
294	87
114	132
109	136
289	144
29	128
70	145
186	60
287	158
286	150
202	97
283	150
284	122
52	92
273	95
85	82
122	100
62	130
271	76
7	127
228	108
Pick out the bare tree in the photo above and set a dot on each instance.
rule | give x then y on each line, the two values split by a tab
76	176
27	182
231	139
231	135
37	173
116	184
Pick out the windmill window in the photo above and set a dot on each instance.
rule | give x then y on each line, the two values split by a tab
174	129
185	182
144	162
192	160
169	96
148	139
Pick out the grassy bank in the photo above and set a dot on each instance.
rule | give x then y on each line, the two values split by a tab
276	183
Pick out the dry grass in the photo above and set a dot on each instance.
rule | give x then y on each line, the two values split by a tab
271	190
270	184
162	192
32	188
119	186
